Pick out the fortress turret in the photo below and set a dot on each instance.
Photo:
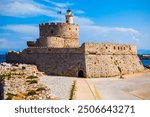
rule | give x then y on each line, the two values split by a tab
58	35
69	17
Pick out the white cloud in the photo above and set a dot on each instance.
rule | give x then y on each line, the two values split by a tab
83	21
20	8
30	8
27	29
103	29
94	33
79	11
58	4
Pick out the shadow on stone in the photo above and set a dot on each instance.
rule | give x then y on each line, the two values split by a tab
1	89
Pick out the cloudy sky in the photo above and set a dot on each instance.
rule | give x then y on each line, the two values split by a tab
116	21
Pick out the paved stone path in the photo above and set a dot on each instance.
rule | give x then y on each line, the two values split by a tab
135	87
60	86
83	91
86	90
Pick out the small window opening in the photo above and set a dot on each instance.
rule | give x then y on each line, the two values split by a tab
52	31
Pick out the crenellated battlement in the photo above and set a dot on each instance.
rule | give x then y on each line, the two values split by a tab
69	32
56	23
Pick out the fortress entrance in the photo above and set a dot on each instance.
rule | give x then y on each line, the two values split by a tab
81	74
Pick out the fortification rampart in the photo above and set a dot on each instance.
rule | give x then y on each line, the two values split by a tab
109	49
46	50
89	48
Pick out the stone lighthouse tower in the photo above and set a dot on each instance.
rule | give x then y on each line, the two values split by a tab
58	34
69	17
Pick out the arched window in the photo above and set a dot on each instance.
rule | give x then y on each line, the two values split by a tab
80	74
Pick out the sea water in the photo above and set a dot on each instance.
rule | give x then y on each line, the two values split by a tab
2	58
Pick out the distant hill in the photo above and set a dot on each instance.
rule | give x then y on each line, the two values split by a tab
142	51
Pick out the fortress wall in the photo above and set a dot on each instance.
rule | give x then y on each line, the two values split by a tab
64	64
68	61
64	30
109	65
53	50
61	64
109	48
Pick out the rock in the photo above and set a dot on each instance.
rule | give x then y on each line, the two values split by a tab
16	84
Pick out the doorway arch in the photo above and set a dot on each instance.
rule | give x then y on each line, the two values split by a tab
80	74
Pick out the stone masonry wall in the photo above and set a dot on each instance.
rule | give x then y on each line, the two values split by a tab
109	65
109	49
95	60
63	30
107	59
53	42
55	61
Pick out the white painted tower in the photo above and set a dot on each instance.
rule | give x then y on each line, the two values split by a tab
69	17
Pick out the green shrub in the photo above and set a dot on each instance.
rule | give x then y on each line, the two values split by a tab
31	77
119	69
31	92
40	89
10	96
2	77
23	67
32	81
72	92
5	76
13	69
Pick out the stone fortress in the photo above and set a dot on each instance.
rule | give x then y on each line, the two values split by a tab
57	52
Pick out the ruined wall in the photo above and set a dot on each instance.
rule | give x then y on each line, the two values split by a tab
63	30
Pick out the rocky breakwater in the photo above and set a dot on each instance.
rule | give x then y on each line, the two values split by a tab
22	82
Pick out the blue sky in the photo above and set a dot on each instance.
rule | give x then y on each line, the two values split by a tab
116	21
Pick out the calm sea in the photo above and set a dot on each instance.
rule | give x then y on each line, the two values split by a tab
2	58
145	62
